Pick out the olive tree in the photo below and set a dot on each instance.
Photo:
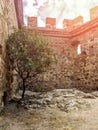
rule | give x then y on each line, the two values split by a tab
30	53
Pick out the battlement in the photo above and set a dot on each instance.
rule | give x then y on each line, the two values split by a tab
32	22
51	23
71	24
93	13
68	24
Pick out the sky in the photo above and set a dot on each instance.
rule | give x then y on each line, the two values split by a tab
59	9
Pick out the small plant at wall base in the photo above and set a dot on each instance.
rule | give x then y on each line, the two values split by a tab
30	53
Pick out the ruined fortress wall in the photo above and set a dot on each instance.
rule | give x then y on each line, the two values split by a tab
8	21
86	64
73	69
63	71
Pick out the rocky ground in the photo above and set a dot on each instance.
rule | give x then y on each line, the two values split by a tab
60	109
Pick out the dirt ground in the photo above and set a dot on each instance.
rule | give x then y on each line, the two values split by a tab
48	118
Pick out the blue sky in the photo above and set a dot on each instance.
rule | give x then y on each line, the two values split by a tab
60	9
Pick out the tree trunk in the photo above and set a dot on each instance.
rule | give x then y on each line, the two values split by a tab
5	98
24	89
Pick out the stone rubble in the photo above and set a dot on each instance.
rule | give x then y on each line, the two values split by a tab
63	99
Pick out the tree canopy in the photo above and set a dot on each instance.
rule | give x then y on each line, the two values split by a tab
30	54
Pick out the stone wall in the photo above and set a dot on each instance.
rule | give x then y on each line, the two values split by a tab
62	72
86	64
8	21
73	69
